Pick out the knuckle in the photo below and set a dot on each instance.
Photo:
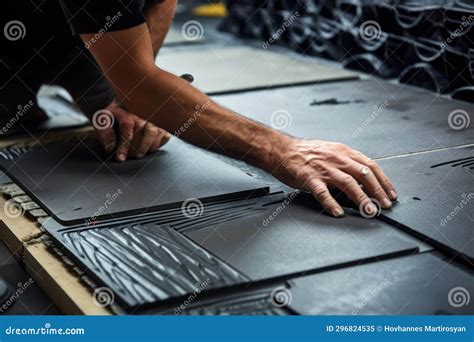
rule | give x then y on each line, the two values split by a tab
127	123
341	146
332	155
127	136
379	192
149	139
387	184
154	129
126	133
326	201
361	197
314	163
319	191
372	164
124	147
346	179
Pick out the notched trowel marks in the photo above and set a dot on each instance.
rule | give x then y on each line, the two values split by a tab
144	264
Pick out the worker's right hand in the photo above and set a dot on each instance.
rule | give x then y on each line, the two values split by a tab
316	166
136	137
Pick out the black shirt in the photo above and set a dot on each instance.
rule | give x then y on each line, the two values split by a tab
93	16
45	32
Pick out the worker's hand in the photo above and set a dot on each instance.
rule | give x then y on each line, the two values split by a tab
137	137
316	166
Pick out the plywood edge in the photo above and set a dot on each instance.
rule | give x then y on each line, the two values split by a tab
62	285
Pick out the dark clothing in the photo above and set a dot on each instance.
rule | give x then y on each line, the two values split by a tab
39	45
88	16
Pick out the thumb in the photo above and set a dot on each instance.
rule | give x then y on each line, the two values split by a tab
162	138
107	138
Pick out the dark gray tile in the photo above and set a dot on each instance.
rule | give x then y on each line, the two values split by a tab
376	117
264	300
218	68
148	264
75	182
436	197
422	284
295	237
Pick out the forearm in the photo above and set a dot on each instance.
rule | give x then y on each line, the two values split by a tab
127	60
178	107
158	18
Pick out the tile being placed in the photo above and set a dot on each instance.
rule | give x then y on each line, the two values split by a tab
77	184
421	284
436	198
294	237
376	117
218	69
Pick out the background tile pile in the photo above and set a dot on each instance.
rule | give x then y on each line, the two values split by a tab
424	43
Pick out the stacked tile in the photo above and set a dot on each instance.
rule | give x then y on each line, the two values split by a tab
429	44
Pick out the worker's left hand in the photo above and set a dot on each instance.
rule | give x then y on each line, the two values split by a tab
137	137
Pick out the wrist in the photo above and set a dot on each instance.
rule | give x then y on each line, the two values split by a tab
279	147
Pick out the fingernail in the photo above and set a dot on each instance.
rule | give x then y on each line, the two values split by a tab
386	203
139	156
393	195
121	157
338	212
